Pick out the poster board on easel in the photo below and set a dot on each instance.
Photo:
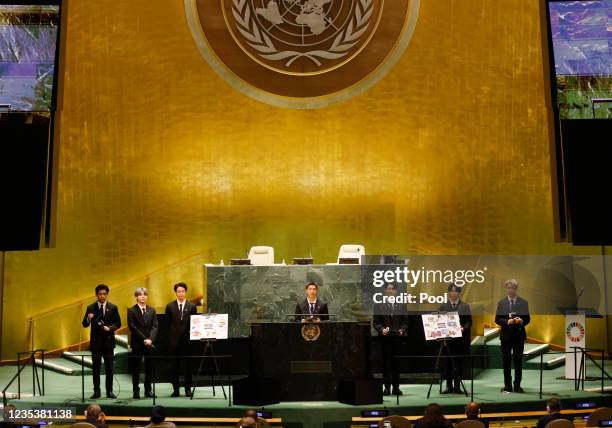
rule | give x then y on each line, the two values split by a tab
208	326
441	325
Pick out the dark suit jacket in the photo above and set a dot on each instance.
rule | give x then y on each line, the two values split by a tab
141	327
465	318
393	316
178	330
304	308
101	341
549	418
514	332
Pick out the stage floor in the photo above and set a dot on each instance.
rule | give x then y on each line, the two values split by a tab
66	391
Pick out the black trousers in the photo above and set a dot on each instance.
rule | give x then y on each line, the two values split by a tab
181	364
136	357
512	351
391	346
96	358
454	363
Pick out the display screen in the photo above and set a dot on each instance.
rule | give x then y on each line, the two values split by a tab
28	45
581	33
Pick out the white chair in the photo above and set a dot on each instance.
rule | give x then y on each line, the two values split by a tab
261	256
350	251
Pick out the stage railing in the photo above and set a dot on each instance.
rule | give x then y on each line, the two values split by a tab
200	374
36	381
579	377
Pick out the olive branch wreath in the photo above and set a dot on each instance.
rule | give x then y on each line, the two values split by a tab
263	44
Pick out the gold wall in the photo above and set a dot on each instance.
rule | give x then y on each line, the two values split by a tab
160	160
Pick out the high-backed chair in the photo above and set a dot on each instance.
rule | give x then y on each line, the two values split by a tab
560	423
395	422
261	256
351	251
603	414
470	423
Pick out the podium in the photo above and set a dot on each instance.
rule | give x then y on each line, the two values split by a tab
575	336
307	361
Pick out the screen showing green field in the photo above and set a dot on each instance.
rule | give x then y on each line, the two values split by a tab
582	41
28	43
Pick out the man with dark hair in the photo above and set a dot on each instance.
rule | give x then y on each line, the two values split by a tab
311	309
460	345
512	315
142	321
391	322
178	314
103	318
472	413
158	418
553	407
247	422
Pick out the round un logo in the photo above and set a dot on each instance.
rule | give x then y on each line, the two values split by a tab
302	53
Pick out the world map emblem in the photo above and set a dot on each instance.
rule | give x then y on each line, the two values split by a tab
302	53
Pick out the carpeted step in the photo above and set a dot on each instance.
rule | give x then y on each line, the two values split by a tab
63	366
551	361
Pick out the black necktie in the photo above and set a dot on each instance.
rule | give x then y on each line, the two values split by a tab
511	305
181	310
144	312
102	309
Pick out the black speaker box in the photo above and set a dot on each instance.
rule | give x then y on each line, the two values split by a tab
257	392
587	161
360	392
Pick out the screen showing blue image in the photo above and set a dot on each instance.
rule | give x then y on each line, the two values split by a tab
28	45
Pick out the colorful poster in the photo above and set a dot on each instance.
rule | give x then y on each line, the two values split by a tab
441	325
208	326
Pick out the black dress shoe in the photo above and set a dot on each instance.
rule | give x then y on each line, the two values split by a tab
507	389
457	390
110	395
149	394
397	391
95	395
387	391
188	392
175	393
518	389
136	395
447	391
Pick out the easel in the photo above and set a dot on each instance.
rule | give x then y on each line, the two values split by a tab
444	346
208	352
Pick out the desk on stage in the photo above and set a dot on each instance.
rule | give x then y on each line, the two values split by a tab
307	360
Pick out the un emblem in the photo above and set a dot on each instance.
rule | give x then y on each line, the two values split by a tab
302	53
311	332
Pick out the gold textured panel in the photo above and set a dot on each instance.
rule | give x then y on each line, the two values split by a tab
161	160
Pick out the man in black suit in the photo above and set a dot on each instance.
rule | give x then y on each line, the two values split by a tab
553	407
391	322
103	318
512	315
459	345
178	314
311	308
142	322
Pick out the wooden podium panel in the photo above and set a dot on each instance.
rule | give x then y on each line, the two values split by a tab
308	360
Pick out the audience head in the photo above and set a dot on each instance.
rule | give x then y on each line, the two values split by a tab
472	409
158	414
553	405
247	422
434	416
250	413
93	411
